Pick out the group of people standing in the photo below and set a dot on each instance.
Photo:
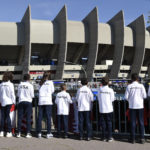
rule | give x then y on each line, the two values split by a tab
135	95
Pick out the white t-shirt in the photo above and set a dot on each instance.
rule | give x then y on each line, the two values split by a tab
105	99
135	93
84	98
45	93
7	94
63	101
25	92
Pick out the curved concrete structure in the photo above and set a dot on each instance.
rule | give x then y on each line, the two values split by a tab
61	20
139	30
101	49
92	22
117	23
26	20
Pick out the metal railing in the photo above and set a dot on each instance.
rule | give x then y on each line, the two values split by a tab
120	122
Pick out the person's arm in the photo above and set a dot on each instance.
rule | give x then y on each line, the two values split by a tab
98	95
91	95
112	95
52	87
144	92
69	98
77	95
13	97
127	93
32	91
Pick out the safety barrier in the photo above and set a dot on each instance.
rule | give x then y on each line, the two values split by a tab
120	122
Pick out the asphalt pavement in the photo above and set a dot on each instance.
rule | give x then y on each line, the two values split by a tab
68	144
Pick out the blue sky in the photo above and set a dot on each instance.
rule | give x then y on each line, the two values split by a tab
13	10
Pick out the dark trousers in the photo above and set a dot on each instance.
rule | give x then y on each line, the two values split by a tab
48	112
85	115
5	111
24	108
63	118
106	123
137	113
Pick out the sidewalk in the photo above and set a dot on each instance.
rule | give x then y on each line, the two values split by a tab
67	144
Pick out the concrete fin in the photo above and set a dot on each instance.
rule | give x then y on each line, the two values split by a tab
61	20
26	20
138	26
91	20
27	13
117	25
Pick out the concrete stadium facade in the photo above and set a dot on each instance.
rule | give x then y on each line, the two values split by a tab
62	40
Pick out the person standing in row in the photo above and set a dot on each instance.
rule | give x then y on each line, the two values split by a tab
63	101
25	94
135	95
84	98
7	99
105	99
45	103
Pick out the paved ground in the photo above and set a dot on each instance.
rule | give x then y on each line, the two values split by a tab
67	144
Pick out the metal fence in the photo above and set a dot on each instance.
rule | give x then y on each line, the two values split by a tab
120	122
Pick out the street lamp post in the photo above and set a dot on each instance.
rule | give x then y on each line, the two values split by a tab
68	62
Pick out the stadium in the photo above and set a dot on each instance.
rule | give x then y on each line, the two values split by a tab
73	49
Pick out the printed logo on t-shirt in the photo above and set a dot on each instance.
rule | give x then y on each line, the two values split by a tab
83	92
24	87
64	97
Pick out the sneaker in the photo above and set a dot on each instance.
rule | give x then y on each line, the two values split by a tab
103	139
39	135
88	139
49	135
1	134
142	141
28	135
18	135
9	134
110	139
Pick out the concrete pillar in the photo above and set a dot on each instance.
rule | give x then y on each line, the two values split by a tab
91	20
61	20
26	20
148	28
138	27
117	24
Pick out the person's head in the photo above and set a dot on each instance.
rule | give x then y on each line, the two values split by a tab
105	81
26	77
84	81
46	76
7	76
63	87
134	77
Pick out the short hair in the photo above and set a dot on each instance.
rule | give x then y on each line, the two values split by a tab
63	86
7	76
105	81
26	77
134	77
46	76
84	81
